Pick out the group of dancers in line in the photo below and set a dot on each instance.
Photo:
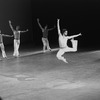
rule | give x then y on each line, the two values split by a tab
16	35
62	39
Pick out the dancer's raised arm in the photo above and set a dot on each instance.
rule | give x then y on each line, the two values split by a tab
40	25
58	27
11	26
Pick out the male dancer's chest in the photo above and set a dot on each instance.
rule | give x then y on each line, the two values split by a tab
63	41
45	34
17	35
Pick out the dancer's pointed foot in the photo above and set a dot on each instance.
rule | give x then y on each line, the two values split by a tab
65	61
5	57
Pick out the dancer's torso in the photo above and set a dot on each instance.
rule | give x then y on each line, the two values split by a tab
63	41
17	35
45	33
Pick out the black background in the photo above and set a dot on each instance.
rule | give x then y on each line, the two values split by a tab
75	15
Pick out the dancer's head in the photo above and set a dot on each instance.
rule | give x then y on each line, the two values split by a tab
17	28
65	32
46	26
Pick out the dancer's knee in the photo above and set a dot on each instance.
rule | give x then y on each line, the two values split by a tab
44	44
60	53
74	49
58	56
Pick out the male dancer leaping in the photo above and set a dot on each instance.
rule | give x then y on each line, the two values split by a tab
45	37
63	38
2	44
16	33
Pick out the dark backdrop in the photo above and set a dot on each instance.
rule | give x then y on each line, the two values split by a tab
19	12
76	16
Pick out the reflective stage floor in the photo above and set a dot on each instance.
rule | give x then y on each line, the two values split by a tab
41	76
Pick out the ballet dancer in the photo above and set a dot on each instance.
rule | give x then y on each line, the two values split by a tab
2	44
16	33
45	36
63	38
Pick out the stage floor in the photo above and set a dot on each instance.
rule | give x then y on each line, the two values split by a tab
41	76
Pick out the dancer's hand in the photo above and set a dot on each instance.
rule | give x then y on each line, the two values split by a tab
9	21
27	30
37	19
80	34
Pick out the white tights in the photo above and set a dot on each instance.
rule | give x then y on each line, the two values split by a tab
67	49
16	47
3	50
45	44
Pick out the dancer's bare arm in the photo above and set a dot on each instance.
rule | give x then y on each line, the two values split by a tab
7	35
24	31
51	28
58	27
40	25
11	26
73	36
